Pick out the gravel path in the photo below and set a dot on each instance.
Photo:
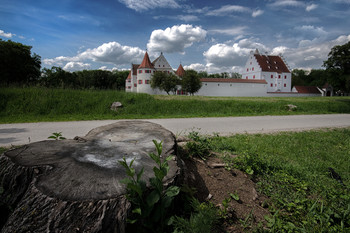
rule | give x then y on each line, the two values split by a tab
23	133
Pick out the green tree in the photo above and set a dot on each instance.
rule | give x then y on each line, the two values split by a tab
338	65
299	77
191	82
164	81
17	64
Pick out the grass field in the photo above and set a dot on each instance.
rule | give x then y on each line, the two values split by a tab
292	169
40	104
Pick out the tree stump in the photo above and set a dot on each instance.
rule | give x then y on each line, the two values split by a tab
75	185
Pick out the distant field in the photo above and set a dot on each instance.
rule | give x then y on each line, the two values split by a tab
41	104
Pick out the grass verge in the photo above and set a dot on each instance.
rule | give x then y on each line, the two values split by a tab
293	170
41	104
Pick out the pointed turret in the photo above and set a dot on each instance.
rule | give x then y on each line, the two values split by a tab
180	71
146	62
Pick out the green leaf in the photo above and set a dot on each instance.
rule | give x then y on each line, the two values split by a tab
234	196
159	174
137	211
152	198
159	147
172	191
155	158
249	171
140	174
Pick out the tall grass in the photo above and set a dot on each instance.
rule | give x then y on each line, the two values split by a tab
41	104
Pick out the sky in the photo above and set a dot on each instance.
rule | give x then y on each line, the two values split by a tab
205	35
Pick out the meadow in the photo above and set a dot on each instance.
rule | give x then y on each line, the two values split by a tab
44	104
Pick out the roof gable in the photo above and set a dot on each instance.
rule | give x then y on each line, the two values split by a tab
271	63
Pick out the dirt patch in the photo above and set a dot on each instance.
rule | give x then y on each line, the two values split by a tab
215	183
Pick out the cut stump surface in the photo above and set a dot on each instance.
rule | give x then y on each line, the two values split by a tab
75	185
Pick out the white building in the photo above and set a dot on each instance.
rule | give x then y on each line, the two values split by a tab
264	75
272	69
139	79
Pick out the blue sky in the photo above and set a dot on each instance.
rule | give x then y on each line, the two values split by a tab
215	36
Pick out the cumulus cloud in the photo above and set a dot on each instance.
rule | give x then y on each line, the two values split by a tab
112	53
312	55
232	57
74	66
175	39
6	34
195	66
227	57
143	5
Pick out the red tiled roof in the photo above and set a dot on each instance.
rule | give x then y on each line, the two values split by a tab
233	80
307	89
271	63
180	71
146	62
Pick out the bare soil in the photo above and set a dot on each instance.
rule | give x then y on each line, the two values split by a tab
215	183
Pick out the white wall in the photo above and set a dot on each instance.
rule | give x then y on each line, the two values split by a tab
232	89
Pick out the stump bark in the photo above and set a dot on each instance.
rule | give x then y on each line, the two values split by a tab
75	185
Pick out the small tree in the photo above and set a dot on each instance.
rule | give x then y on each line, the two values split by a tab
164	81
191	82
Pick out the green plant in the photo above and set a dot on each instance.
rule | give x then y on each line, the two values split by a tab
150	208
57	136
202	220
199	146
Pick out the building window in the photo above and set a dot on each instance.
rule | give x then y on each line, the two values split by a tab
247	69
246	77
285	77
254	76
271	75
271	85
140	71
285	85
253	69
135	85
147	81
279	76
140	82
148	71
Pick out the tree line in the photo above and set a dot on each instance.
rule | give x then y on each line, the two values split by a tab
19	67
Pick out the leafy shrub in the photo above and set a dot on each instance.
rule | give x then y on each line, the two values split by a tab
150	209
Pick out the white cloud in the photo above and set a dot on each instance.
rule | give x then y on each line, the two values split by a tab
312	55
228	9
195	66
283	3
311	7
74	66
186	18
230	31
229	58
257	13
6	34
175	39
112	53
143	5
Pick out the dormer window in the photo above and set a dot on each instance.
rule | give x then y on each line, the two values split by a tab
275	62
269	67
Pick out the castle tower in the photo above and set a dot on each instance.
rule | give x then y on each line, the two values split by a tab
180	71
144	75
